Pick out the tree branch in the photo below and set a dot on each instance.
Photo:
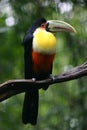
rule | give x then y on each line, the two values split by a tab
13	87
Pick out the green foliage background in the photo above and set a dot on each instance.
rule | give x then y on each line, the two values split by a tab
63	106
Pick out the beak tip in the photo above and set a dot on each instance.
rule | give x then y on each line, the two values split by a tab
73	30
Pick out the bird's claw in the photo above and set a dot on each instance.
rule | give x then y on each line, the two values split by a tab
52	77
33	79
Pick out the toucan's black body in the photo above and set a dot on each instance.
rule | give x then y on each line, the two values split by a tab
30	108
39	51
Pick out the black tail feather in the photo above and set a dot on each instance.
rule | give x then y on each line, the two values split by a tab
30	107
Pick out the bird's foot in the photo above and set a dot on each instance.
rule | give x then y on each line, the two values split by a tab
33	79
52	77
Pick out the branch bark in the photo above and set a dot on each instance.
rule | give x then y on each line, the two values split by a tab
13	87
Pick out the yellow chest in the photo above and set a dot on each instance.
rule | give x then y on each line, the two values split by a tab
44	42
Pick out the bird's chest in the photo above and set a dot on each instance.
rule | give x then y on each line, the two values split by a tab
42	62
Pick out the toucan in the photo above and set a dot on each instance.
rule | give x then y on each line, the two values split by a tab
39	52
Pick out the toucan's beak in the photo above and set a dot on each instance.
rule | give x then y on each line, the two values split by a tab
55	26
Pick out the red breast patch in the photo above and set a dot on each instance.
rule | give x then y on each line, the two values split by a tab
42	62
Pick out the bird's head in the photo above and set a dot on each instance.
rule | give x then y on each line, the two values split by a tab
44	40
52	25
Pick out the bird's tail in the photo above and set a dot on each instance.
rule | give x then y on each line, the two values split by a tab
30	107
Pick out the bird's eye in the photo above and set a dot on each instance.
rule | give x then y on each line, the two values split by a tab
43	25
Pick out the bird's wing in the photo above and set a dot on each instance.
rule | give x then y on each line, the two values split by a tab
27	42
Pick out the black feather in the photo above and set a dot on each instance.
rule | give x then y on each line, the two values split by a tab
30	107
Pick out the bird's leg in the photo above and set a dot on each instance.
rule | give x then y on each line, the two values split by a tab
51	77
33	79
